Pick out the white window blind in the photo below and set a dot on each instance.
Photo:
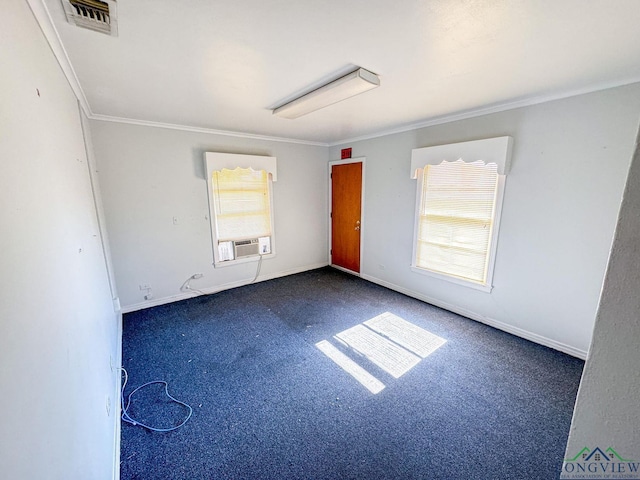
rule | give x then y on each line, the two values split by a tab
456	219
242	204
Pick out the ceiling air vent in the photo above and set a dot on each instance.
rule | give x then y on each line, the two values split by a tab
98	15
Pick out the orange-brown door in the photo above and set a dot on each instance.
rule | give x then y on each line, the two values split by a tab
346	201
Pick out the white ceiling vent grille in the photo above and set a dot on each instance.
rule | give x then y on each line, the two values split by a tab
97	15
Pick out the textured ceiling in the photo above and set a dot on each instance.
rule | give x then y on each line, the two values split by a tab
223	65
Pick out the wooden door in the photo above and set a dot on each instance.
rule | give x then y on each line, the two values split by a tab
346	204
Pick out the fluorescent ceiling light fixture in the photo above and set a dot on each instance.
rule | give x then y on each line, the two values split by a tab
350	85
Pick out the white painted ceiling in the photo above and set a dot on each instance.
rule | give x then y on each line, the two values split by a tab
225	64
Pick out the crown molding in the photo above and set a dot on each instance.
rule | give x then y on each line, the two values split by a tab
487	110
43	17
211	131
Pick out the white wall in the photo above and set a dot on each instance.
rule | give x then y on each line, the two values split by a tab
150	175
606	412
569	166
59	329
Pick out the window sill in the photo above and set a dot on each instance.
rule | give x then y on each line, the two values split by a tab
255	258
458	281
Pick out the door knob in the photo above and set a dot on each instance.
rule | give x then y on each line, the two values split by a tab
358	227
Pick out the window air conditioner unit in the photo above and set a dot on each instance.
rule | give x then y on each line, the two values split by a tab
246	248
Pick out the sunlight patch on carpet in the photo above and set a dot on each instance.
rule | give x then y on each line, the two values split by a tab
352	368
389	356
388	341
406	334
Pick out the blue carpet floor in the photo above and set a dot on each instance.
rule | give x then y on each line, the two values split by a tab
268	404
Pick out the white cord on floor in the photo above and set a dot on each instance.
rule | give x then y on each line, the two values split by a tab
125	409
257	270
186	286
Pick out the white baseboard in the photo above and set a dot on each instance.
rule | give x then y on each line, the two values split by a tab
218	288
117	404
345	270
519	332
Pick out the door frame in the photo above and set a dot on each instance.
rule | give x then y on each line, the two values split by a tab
361	160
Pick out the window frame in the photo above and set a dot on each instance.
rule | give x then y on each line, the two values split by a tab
493	150
215	161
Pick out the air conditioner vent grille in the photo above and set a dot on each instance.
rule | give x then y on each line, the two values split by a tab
96	15
246	248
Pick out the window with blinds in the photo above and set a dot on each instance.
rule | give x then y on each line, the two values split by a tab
458	206
456	219
242	204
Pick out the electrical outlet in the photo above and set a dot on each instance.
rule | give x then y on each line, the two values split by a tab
145	286
148	296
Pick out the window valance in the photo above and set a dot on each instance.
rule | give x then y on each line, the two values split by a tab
490	150
218	161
